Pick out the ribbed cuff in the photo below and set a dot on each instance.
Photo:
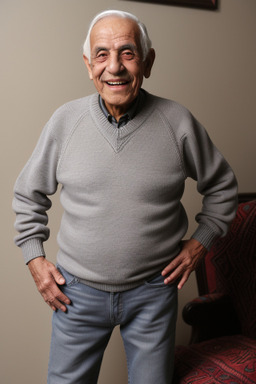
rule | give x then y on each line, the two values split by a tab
31	249
205	235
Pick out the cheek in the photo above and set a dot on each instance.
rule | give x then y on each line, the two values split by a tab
138	78
98	85
96	77
97	71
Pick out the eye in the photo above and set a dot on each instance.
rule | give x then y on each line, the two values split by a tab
128	55
101	56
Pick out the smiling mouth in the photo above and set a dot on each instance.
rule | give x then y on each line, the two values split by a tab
116	83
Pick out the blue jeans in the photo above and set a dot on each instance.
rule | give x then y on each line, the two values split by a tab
147	318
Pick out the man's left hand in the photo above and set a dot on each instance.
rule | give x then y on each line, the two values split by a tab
185	263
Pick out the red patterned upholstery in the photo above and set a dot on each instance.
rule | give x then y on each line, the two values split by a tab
223	360
227	306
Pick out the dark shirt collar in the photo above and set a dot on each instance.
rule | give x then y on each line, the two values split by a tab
129	115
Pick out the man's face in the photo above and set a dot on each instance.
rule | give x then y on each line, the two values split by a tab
117	67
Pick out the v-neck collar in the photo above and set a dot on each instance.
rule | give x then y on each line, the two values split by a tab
129	115
118	137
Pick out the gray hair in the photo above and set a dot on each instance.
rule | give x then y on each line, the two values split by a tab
144	38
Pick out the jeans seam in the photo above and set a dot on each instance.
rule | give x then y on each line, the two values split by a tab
127	364
111	314
115	318
72	282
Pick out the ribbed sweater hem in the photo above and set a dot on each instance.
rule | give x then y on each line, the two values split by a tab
205	235
110	287
32	249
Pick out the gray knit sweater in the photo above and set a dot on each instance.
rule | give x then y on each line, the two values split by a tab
121	189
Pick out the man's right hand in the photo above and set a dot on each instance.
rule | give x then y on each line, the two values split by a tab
47	278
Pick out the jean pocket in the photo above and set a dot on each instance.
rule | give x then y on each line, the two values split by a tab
156	281
69	278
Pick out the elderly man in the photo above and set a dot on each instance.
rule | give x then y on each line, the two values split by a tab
122	156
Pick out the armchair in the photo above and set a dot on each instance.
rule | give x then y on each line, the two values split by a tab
222	348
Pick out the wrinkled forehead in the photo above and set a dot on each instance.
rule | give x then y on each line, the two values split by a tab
113	29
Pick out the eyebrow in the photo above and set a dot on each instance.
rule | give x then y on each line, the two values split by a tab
128	46
98	49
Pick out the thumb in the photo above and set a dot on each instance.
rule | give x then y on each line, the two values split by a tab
58	276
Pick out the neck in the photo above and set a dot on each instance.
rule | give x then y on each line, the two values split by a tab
117	111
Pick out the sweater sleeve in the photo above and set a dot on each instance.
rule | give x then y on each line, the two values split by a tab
215	181
31	202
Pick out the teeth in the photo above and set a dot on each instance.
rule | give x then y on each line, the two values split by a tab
116	82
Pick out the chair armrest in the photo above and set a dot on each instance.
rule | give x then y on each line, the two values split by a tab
196	310
211	316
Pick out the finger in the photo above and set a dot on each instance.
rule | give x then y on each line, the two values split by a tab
174	275
57	307
171	279
63	298
61	307
170	267
55	298
60	297
183	280
55	304
60	280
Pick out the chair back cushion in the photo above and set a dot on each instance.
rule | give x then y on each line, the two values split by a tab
230	266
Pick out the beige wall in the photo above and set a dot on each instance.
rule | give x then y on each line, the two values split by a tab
205	60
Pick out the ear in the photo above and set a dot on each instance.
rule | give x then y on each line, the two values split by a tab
88	65
148	63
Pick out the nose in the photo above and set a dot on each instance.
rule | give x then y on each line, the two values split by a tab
115	65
